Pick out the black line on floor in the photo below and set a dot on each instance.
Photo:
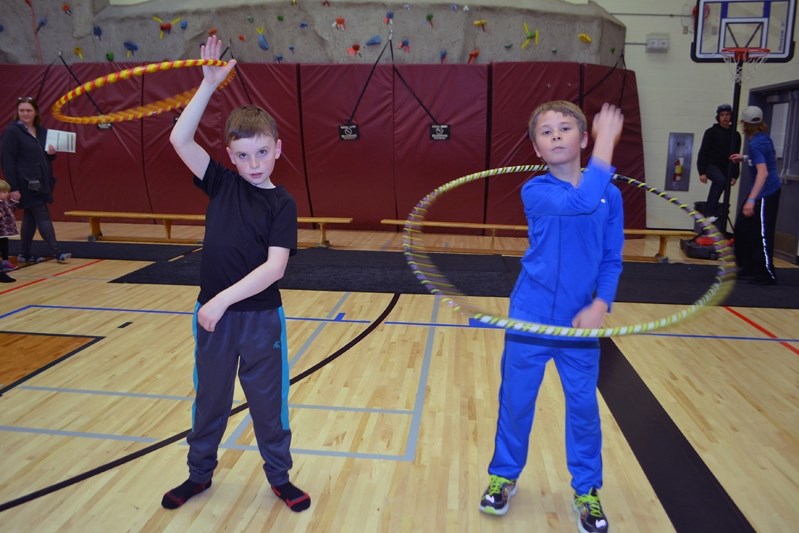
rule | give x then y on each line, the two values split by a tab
175	438
692	497
92	339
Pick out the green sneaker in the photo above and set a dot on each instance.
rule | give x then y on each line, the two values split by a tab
497	496
591	518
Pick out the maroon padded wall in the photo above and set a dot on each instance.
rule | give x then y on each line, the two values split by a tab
349	178
604	84
588	86
132	167
457	96
107	170
517	89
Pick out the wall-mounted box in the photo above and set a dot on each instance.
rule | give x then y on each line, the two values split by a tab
657	42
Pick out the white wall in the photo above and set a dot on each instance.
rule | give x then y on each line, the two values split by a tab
678	95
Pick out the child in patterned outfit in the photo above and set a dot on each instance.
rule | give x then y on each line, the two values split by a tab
8	228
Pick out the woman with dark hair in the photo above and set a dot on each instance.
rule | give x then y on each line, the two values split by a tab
757	220
26	165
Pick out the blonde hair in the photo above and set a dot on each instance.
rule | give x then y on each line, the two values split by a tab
559	106
4	186
249	121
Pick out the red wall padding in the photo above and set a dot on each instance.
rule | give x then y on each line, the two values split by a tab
517	89
457	96
132	167
348	178
604	84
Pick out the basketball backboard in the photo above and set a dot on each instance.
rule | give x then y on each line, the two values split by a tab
721	24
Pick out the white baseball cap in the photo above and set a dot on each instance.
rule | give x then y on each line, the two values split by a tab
752	115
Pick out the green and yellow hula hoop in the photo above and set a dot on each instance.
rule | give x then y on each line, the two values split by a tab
167	104
437	283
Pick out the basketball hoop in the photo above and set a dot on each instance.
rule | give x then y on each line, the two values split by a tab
743	62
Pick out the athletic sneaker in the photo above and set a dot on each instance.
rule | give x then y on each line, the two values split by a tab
7	266
32	260
591	518
63	257
497	496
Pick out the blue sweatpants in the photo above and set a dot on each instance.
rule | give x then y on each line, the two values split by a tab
523	363
254	343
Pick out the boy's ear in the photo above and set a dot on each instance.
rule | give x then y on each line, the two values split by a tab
230	154
278	148
584	141
537	152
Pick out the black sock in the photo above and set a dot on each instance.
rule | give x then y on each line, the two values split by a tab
295	498
179	495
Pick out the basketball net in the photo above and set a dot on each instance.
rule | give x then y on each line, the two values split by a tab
744	62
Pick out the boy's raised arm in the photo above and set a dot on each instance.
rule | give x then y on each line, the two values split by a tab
606	129
182	136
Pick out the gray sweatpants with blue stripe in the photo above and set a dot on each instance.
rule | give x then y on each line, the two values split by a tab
254	343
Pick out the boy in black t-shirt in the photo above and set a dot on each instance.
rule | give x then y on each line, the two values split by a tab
250	232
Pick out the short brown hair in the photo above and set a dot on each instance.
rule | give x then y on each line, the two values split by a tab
249	121
559	106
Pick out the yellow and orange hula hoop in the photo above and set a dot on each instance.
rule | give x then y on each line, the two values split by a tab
167	104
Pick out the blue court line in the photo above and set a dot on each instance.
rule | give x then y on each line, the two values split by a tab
82	434
304	451
237	432
339	319
342	408
416	413
378	410
324	453
231	443
312	337
416	420
109	393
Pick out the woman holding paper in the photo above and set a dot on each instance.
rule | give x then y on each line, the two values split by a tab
26	165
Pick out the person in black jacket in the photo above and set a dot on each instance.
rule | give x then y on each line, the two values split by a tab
713	161
26	165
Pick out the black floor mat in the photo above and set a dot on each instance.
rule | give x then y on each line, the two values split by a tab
109	250
482	275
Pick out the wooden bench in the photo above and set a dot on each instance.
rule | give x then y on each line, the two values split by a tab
659	257
168	218
663	234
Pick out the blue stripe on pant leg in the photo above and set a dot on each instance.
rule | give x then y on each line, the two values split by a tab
195	379
284	382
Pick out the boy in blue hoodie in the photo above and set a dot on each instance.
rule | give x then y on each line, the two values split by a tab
569	277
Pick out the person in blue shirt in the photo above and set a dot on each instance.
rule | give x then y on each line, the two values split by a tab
569	277
757	219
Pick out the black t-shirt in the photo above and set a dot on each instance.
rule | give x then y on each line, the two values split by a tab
241	223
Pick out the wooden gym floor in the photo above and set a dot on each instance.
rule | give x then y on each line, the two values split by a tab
393	434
